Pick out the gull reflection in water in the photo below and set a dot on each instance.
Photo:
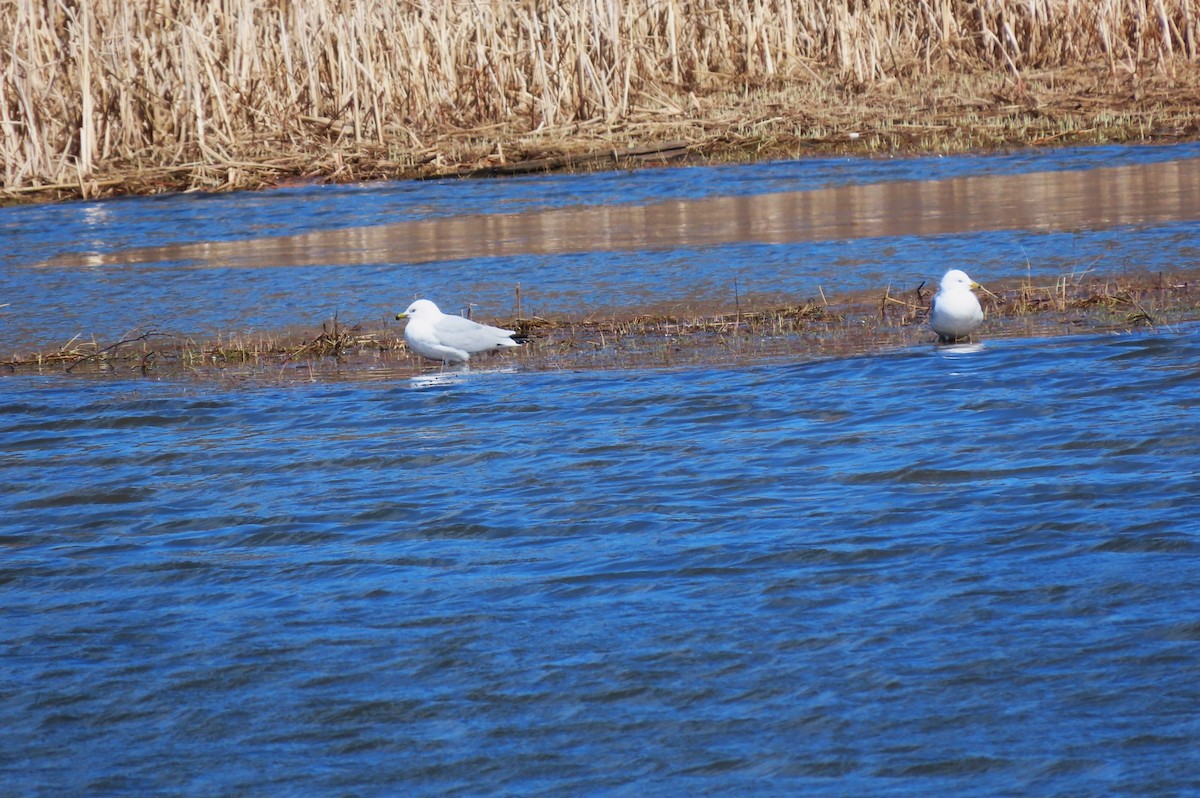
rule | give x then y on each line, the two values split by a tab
955	350
458	376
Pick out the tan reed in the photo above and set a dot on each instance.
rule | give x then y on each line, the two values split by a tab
220	93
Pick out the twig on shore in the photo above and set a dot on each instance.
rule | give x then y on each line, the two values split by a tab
99	353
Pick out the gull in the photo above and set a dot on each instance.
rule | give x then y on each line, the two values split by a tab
450	339
956	312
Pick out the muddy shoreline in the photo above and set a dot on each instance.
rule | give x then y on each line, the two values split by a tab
756	330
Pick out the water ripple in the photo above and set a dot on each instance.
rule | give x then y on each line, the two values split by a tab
920	572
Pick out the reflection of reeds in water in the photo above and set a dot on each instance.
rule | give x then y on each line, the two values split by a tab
221	88
1144	193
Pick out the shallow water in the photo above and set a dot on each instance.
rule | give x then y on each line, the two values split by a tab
934	572
940	571
254	262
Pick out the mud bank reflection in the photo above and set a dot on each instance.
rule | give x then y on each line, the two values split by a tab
1040	201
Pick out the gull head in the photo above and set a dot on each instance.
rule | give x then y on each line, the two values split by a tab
422	307
957	278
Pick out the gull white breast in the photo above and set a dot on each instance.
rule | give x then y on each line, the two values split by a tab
956	311
450	339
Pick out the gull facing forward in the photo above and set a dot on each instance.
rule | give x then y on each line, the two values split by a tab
956	312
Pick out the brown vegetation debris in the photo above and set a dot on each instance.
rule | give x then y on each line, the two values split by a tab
856	323
109	97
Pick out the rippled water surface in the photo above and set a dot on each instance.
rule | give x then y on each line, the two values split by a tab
935	571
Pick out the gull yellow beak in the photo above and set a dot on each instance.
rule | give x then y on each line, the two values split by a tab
401	316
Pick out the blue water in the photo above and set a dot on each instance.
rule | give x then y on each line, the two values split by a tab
81	269
955	571
930	572
186	218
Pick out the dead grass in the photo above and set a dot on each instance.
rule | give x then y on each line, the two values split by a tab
111	97
149	350
817	327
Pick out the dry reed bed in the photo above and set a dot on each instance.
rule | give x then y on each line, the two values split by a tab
816	327
107	95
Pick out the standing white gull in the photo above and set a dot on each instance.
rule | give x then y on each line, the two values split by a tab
956	312
450	339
